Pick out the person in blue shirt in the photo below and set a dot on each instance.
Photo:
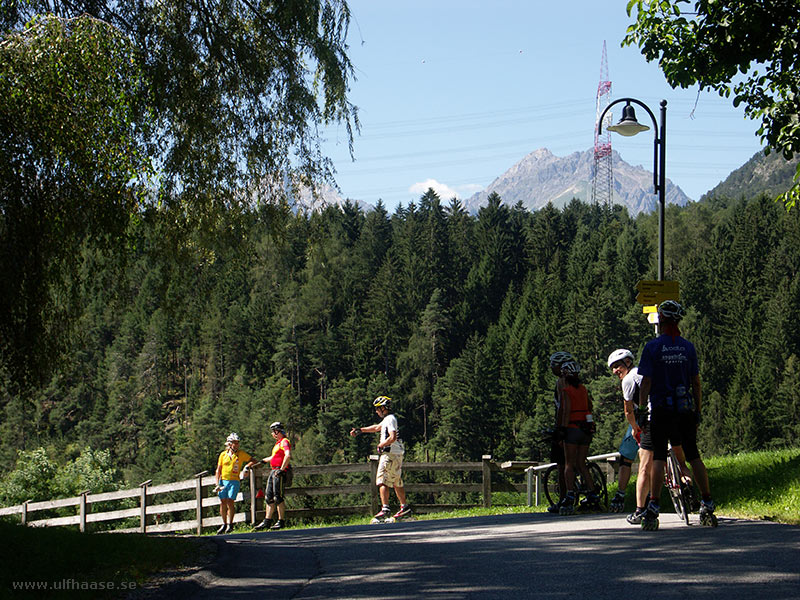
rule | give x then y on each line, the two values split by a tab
671	383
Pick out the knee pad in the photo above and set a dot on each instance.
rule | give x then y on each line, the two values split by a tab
625	462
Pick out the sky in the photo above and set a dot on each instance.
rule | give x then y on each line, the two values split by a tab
452	93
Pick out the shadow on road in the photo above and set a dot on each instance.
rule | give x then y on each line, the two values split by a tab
521	555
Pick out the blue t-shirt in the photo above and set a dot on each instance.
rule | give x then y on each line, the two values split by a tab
670	363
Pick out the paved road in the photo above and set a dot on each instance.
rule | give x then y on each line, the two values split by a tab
510	556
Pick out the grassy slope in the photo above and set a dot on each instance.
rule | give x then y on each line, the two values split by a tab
751	485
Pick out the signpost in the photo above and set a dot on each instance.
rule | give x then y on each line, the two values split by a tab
655	292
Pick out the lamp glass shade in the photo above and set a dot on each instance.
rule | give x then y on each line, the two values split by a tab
628	125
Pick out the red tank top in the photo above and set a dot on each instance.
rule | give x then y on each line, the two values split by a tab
578	405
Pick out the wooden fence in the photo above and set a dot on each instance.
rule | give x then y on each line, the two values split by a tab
148	512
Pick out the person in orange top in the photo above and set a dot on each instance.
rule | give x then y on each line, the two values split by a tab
577	427
279	463
231	464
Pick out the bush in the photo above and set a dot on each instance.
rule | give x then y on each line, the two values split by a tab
37	477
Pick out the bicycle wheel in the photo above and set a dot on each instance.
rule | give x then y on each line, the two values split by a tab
550	485
599	480
676	489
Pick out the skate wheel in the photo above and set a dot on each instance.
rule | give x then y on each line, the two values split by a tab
390	520
709	521
374	521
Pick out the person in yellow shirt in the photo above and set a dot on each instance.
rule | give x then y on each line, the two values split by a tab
231	464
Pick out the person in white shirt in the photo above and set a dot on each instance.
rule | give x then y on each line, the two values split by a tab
390	464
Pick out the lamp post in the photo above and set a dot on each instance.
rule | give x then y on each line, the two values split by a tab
629	126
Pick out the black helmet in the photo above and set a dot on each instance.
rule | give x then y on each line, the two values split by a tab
671	310
278	426
571	368
559	358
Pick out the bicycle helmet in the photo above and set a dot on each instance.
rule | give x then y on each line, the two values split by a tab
618	355
278	426
559	358
232	438
382	401
570	368
670	309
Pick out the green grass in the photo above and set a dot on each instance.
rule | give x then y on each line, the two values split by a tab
755	485
80	565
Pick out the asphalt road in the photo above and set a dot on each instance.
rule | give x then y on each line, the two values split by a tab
530	555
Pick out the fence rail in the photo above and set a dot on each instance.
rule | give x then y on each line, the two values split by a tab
534	474
149	512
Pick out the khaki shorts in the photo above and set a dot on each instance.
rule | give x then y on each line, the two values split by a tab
390	470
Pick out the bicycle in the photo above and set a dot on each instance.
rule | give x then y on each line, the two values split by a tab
682	493
550	479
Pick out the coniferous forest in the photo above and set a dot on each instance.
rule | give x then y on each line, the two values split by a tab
304	318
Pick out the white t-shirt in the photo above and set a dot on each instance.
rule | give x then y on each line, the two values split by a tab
630	391
388	425
630	385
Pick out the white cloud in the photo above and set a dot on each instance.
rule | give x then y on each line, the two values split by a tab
444	191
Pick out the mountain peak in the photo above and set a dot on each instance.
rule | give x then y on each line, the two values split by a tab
542	177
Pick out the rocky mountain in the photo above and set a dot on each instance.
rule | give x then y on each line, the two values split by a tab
771	175
542	177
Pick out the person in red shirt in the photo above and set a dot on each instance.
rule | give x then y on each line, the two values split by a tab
577	427
279	464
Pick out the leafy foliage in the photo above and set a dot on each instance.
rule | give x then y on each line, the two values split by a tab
744	48
201	110
68	154
38	477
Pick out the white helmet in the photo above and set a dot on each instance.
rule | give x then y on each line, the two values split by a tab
618	355
232	438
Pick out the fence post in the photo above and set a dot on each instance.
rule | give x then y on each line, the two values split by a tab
198	498
487	480
252	496
375	501
82	522
529	485
24	516
143	506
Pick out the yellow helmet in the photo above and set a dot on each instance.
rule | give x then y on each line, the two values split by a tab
382	401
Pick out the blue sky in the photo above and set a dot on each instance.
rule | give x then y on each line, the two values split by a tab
452	93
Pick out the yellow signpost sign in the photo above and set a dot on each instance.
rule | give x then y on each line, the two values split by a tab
655	292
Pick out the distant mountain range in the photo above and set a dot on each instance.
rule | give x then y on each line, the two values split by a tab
542	177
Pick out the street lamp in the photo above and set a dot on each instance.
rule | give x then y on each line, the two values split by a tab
629	126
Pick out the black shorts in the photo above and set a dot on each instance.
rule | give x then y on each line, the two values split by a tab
646	440
679	429
577	436
275	485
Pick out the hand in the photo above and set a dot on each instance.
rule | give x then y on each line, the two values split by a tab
637	435
355	432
